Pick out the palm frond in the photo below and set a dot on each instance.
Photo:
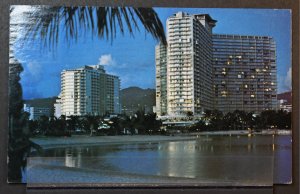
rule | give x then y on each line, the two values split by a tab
151	22
103	22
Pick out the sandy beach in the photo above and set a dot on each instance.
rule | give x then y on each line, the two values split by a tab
81	140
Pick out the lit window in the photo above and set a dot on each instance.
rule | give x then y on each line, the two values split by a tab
246	86
224	93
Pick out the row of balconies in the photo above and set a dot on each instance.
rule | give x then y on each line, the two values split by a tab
179	77
174	49
249	95
245	86
184	69
179	61
178	90
179	57
180	71
242	37
241	58
182	31
175	23
243	46
241	51
218	56
179	44
187	98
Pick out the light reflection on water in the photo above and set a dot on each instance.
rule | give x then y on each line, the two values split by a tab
229	158
72	160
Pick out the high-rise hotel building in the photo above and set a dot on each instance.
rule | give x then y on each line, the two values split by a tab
89	91
161	79
244	73
188	66
198	70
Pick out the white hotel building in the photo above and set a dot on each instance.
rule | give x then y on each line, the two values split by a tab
188	66
89	91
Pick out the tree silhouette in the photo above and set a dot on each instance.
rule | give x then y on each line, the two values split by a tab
99	21
19	144
45	26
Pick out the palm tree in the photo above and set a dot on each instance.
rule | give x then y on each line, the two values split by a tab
91	123
73	123
116	126
46	25
44	124
62	123
214	118
19	144
101	21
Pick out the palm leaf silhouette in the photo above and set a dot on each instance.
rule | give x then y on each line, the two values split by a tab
100	21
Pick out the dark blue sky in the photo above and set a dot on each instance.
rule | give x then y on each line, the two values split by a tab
132	58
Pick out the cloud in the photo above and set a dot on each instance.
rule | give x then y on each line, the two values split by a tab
138	74
107	60
32	76
288	79
285	81
111	63
34	69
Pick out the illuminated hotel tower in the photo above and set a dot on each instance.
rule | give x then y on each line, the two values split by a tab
244	73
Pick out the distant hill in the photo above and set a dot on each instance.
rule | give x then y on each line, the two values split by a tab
285	96
135	98
42	102
132	100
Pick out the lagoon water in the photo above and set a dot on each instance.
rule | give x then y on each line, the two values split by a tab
207	160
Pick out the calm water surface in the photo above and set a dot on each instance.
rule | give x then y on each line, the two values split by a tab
231	159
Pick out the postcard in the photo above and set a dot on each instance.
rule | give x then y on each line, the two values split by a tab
136	96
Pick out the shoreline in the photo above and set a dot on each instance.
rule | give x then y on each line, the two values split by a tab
86	140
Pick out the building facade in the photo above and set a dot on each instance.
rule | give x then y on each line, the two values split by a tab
161	79
244	73
89	91
285	101
57	107
189	65
36	112
199	70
